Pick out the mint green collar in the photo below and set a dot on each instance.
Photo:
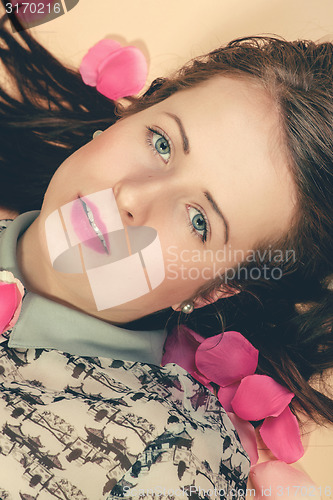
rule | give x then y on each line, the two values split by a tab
46	324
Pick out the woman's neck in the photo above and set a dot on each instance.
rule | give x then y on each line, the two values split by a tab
39	277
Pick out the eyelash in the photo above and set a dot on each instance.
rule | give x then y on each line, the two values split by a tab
202	237
150	132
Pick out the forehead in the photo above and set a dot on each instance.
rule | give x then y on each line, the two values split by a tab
237	94
231	112
236	142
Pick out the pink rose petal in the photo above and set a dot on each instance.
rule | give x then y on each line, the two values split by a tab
11	294
226	394
94	57
180	347
19	296
247	436
226	358
276	480
202	379
259	396
282	436
122	74
8	304
116	71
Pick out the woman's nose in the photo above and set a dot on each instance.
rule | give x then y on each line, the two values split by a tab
137	199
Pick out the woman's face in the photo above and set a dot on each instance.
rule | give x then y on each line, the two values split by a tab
204	168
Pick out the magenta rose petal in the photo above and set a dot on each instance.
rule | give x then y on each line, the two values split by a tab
19	295
247	436
226	358
202	379
180	347
9	303
282	436
11	294
226	394
259	396
94	57
122	74
276	479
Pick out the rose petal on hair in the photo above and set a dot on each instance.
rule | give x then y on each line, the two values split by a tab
226	394
94	57
247	436
122	74
282	436
277	480
259	396
226	358
9	301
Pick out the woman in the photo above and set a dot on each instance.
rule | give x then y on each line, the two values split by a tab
259	111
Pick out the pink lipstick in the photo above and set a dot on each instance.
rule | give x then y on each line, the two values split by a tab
89	226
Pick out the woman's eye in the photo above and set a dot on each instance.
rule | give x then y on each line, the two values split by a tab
160	145
198	223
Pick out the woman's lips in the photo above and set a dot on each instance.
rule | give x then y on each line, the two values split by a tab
88	225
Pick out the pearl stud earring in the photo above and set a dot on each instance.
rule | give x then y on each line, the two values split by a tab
97	133
187	307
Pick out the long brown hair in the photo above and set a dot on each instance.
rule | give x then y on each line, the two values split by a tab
52	113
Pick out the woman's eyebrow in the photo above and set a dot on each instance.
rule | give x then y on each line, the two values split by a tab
219	213
186	144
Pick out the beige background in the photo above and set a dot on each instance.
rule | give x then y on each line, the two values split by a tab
171	32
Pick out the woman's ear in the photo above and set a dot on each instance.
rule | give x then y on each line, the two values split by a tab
213	297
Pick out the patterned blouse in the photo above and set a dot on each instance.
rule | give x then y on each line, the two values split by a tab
94	428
